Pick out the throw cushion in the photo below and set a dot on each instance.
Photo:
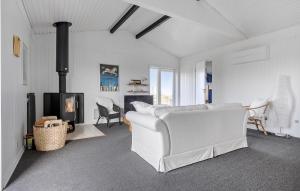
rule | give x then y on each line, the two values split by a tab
140	106
260	111
223	106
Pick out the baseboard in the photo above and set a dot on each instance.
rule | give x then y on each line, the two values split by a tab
270	133
11	168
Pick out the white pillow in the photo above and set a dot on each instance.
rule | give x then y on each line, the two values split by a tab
140	106
260	111
152	109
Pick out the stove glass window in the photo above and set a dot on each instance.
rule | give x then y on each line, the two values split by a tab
70	104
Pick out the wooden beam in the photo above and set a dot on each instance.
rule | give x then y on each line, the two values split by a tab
152	26
132	9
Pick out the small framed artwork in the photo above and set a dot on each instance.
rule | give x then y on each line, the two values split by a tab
109	78
16	46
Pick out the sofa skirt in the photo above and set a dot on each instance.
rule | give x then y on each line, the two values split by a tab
171	162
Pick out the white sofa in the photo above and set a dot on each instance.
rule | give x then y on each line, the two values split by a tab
181	136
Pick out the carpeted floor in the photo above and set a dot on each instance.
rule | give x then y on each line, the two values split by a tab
106	163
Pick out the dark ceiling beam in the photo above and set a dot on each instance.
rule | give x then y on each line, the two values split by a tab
132	9
152	26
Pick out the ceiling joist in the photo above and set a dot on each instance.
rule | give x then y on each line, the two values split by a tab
126	16
152	26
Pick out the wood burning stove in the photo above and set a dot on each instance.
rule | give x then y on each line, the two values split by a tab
66	106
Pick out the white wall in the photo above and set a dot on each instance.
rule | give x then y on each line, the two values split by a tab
13	93
0	99
87	51
246	82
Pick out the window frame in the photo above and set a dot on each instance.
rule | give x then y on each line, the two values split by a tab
158	85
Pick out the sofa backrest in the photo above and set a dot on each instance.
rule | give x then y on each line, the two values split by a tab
204	127
223	105
162	111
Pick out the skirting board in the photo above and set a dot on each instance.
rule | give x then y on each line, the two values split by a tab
287	136
11	168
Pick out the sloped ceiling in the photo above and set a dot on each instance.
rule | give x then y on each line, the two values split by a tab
84	14
257	17
182	38
195	25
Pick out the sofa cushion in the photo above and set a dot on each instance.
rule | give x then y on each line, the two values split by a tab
152	109
223	106
162	111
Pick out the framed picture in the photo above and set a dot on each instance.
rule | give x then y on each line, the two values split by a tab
109	78
16	46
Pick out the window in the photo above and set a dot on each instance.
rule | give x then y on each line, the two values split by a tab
162	85
154	84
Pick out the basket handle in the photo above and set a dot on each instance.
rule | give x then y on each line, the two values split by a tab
51	123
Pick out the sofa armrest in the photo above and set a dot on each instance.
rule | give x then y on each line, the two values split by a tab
146	120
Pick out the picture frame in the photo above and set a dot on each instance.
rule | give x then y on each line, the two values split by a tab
109	78
16	46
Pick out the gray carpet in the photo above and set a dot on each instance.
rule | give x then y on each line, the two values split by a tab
106	163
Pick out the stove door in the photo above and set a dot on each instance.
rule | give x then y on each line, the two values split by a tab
72	107
68	106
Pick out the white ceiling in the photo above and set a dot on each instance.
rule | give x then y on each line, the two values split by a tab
84	14
140	20
182	38
256	17
220	22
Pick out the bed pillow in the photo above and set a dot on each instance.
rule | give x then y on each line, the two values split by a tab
140	106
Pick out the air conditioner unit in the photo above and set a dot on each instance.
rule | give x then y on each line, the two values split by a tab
250	55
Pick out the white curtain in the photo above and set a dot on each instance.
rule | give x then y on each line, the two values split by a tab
187	84
192	83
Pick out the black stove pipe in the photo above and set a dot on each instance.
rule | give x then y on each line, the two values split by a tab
62	53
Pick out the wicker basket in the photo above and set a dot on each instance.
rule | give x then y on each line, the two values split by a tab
50	137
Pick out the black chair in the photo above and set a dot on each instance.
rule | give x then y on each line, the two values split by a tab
104	112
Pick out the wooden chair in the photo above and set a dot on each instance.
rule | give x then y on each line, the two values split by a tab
257	115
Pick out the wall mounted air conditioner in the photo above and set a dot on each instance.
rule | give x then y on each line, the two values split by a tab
250	55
